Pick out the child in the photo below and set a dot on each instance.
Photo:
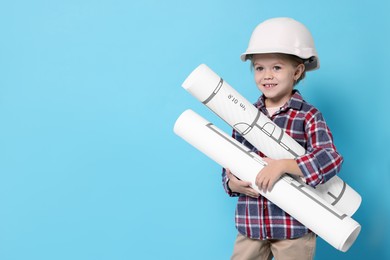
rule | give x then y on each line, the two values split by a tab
281	50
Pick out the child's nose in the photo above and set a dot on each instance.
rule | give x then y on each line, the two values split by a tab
268	75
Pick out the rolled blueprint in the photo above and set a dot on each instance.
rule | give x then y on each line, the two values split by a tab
295	198
205	85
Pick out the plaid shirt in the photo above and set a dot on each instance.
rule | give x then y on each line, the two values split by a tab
260	218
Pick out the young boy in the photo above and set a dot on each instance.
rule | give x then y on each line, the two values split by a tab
281	51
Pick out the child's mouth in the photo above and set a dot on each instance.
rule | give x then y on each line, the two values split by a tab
269	85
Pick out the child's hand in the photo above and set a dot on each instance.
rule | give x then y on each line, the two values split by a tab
267	177
239	186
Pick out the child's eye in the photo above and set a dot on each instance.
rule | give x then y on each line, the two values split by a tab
258	68
277	68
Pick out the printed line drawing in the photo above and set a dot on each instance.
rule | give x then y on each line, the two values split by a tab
292	181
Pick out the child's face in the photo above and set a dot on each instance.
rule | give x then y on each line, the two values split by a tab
275	75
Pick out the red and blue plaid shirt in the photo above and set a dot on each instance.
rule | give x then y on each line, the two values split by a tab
260	218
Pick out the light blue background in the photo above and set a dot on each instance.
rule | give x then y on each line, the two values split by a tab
90	90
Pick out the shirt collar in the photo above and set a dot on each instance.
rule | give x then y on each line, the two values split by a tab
296	101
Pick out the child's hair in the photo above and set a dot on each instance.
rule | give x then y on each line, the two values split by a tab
295	60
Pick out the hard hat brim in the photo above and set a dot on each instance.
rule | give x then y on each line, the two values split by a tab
310	62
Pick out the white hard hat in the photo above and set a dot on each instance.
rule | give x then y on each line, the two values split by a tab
283	35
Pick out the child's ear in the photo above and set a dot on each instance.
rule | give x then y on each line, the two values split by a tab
298	71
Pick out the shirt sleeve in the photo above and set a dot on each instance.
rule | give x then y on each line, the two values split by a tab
225	181
321	161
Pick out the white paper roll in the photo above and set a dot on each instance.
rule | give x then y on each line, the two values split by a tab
205	85
296	198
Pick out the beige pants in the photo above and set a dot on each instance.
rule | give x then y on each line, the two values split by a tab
302	248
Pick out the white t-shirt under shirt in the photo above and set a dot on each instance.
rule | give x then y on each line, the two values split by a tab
272	110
